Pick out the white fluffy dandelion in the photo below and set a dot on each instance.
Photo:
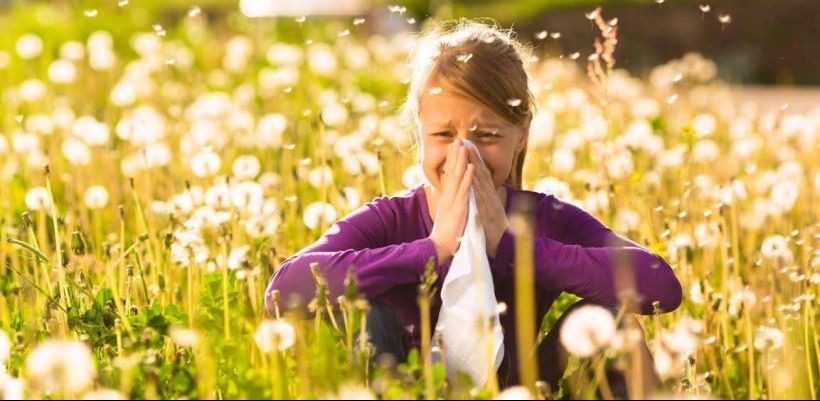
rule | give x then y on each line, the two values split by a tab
96	197
318	212
205	163
587	330
246	166
38	198
275	333
29	46
61	366
515	393
5	346
768	338
183	337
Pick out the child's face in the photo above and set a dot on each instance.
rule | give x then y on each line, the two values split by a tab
445	114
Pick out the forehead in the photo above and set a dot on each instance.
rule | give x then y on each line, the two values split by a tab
440	102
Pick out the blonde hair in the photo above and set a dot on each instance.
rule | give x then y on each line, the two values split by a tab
480	60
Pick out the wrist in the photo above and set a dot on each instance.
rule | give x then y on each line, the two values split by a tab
442	251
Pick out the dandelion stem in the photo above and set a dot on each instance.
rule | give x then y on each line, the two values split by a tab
524	297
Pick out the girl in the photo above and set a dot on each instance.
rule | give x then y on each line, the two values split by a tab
469	82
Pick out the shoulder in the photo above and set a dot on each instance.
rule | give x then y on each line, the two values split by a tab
542	202
547	208
398	205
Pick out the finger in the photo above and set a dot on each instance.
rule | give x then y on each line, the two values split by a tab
449	161
466	181
461	164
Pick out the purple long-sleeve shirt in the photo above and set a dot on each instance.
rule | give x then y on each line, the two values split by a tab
387	242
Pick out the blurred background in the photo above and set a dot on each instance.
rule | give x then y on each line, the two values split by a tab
760	42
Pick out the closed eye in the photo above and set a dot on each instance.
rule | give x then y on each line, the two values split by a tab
442	134
488	135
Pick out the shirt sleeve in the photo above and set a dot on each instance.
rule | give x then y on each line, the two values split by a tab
584	257
359	240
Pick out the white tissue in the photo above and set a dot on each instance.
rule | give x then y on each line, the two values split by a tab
471	345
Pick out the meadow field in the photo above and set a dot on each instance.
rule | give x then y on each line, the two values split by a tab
155	168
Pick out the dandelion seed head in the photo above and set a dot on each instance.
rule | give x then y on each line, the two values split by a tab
318	212
183	337
96	197
205	163
587	330
275	333
515	393
32	90
29	46
246	167
38	198
61	72
768	338
5	347
60	366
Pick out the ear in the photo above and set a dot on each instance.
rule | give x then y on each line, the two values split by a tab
525	133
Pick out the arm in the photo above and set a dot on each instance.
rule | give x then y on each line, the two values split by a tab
584	257
358	240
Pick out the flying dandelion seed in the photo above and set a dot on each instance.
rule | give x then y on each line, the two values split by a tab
725	19
358	21
411	21
514	102
159	30
672	99
541	35
122	3
613	22
91	13
300	19
344	33
555	35
592	14
464	58
659	1
194	11
705	8
397	9
574	56
435	90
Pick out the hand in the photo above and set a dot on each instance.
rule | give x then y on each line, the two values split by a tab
490	204
451	213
